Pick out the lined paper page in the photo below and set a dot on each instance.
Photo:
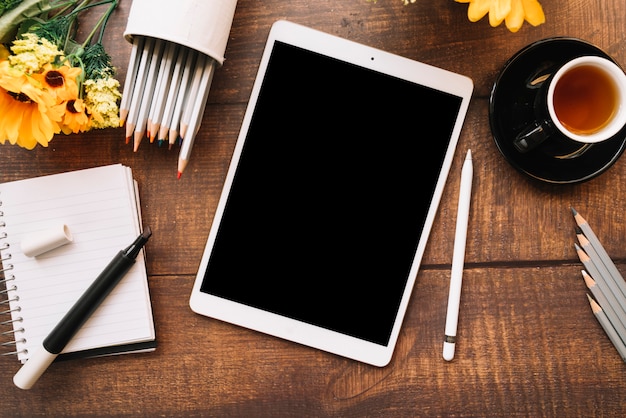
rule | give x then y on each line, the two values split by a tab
100	208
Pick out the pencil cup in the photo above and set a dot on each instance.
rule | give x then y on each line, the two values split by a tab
176	47
200	25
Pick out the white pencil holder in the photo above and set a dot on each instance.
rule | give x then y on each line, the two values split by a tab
203	25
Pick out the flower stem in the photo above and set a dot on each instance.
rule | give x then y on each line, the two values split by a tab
102	22
62	7
106	19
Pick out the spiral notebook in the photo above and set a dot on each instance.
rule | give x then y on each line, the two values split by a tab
100	206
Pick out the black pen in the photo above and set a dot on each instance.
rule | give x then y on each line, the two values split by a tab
78	314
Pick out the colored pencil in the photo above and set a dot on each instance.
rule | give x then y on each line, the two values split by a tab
614	273
131	76
137	92
608	329
162	86
148	93
170	102
604	282
602	276
192	93
182	97
601	299
165	94
196	115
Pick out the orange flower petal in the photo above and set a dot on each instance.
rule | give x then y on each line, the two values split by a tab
27	138
4	52
12	116
513	12
515	19
533	12
478	9
500	9
27	123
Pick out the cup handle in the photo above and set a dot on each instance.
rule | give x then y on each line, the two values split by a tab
532	136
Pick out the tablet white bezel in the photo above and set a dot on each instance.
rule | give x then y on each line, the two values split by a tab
287	328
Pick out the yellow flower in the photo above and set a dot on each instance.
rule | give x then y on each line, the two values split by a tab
42	75
32	52
61	81
101	98
30	114
512	12
75	119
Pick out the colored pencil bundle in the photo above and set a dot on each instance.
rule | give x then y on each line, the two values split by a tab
165	94
606	284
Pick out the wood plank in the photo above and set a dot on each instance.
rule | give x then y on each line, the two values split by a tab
520	349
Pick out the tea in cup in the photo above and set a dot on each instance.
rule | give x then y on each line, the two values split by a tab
580	104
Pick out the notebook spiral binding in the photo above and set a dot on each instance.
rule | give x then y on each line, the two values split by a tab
8	328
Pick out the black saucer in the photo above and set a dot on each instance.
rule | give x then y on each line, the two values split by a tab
510	111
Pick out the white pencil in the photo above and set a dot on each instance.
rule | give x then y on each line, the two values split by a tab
458	258
182	96
135	100
193	93
131	75
199	105
148	94
168	112
161	89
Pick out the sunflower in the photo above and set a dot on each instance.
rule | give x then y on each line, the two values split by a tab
31	115
75	118
61	81
49	82
512	12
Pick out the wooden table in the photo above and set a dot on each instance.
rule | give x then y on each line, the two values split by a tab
528	343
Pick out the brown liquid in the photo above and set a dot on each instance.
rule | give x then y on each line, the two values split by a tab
585	100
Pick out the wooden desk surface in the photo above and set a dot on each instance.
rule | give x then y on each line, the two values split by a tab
528	344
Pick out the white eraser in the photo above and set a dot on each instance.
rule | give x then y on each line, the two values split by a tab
46	240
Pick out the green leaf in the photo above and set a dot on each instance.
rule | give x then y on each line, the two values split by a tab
73	48
97	62
6	5
12	19
28	25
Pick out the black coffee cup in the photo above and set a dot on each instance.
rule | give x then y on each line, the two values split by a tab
581	104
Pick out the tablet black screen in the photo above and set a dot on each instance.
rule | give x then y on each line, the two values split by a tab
331	193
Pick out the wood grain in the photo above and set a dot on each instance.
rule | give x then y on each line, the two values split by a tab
528	344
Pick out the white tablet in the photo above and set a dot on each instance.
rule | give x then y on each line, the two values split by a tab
331	194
